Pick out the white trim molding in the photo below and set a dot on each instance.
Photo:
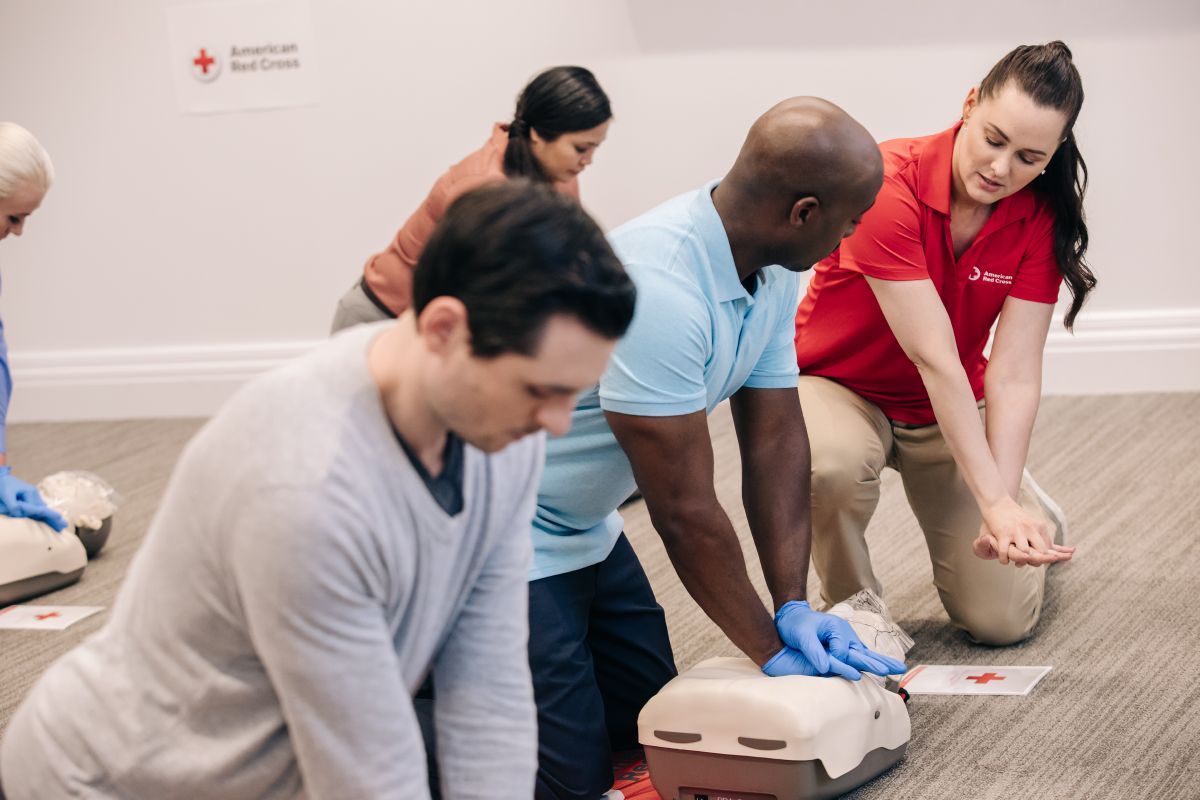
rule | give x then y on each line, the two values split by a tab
138	382
1111	352
1124	352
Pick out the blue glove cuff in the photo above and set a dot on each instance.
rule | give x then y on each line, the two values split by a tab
5	470
783	609
766	668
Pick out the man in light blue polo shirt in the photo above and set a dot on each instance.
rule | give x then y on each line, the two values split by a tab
717	278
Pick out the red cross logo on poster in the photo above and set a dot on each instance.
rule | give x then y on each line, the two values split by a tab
205	66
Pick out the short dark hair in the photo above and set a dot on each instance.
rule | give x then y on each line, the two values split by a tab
516	253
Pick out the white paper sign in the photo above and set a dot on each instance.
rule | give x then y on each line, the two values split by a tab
246	54
965	679
44	618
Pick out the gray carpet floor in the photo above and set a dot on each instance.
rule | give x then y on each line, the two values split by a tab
1118	717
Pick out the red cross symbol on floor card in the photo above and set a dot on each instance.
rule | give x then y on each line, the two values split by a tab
986	677
971	679
44	618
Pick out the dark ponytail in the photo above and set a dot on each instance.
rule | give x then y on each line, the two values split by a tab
1047	74
559	100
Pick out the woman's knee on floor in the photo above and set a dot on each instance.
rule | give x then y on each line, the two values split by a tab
997	626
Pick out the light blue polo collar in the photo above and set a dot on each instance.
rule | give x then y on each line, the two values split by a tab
716	244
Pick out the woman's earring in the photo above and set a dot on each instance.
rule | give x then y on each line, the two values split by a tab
1043	172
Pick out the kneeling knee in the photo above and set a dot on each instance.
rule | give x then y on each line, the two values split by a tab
998	630
835	475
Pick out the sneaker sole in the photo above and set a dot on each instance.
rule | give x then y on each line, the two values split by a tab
1052	507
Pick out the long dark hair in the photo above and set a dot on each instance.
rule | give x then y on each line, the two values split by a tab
559	100
1047	74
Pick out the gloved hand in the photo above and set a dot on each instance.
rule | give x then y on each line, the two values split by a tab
792	662
19	499
816	634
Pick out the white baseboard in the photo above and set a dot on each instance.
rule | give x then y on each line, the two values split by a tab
135	383
1125	352
1112	352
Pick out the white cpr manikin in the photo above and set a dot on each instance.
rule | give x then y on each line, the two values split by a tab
35	559
725	730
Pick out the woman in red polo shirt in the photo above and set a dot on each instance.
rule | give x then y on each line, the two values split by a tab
562	116
979	223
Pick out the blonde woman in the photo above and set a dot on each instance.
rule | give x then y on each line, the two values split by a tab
25	176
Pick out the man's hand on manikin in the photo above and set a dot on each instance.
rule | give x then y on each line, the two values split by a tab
819	644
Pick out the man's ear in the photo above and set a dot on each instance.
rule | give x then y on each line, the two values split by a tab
442	324
803	210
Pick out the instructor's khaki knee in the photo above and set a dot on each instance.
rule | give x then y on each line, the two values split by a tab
997	628
837	473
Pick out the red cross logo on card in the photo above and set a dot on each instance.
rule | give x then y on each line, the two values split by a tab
985	677
206	66
51	615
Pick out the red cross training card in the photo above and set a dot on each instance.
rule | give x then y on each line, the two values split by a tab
44	618
967	679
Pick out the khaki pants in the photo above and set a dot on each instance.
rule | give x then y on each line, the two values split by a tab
852	442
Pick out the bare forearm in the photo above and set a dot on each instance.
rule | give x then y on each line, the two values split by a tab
957	414
779	512
1011	410
776	486
707	556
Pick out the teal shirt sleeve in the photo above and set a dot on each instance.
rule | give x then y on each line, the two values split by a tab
657	369
776	367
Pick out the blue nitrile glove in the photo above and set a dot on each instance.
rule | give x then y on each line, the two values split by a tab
810	631
792	662
19	499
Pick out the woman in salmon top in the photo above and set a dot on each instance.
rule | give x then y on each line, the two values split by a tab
562	116
974	226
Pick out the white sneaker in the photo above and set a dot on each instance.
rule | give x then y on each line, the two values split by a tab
1052	509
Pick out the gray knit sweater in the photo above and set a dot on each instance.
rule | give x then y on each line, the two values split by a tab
296	587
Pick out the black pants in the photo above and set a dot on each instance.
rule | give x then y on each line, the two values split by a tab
598	650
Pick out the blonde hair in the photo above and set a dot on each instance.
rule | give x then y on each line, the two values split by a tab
22	158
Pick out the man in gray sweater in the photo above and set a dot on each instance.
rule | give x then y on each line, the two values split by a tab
344	528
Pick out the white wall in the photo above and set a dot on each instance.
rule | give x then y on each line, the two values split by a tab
178	255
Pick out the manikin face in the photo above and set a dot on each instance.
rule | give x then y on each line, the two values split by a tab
492	402
569	154
18	206
1005	142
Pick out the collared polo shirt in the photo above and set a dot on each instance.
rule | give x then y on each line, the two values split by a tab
697	337
841	333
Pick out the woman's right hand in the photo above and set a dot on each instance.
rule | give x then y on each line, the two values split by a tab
1011	534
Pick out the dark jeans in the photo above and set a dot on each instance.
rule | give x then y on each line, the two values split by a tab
598	650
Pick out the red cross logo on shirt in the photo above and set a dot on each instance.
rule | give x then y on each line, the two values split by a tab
985	677
206	67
